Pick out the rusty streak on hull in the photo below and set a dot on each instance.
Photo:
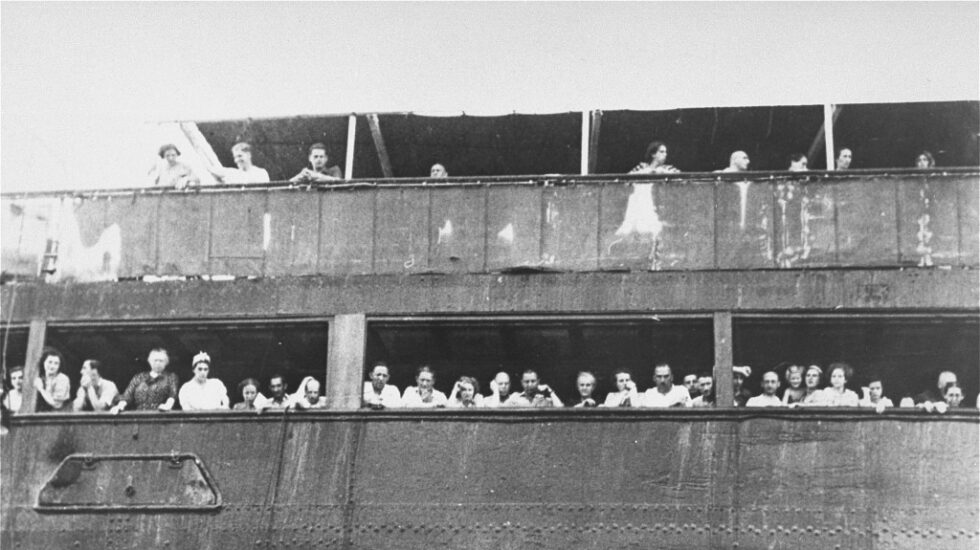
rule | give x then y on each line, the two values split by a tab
511	479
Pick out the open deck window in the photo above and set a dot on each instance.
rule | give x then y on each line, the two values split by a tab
907	352
238	350
556	348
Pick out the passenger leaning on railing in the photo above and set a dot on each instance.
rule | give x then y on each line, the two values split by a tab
94	392
378	393
465	394
153	390
768	397
535	394
308	396
202	393
585	384
53	387
706	385
655	161
625	394
665	393
249	390
499	391
423	395
874	395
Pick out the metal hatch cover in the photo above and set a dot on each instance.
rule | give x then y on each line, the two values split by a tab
176	482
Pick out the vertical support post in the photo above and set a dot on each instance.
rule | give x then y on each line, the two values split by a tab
828	134
724	394
349	161
594	140
346	346
379	144
35	345
585	143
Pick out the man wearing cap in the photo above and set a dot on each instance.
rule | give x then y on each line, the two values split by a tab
739	375
378	393
665	394
768	397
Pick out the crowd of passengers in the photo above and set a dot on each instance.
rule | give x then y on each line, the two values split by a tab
159	389
172	172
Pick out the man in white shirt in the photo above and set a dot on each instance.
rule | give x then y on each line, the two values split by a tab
246	171
665	394
499	391
378	393
768	397
737	162
423	395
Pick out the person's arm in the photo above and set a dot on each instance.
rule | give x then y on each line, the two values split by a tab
54	397
223	399
127	396
302	177
172	390
322	178
183	397
555	401
79	402
452	394
109	394
219	173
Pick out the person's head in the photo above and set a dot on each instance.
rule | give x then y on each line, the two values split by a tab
797	162
925	160
248	389
158	360
770	383
242	153
953	394
585	384
623	378
438	171
468	388
529	381
312	390
90	369
875	389
16	376
839	374
739	161
169	153
945	378
812	377
202	366
843	158
705	383
739	375
794	376
502	380
51	361
277	386
379	376
691	382
425	378
663	377
318	156
656	153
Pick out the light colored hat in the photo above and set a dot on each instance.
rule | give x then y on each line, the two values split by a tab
743	370
201	357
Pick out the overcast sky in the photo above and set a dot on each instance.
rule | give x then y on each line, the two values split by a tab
78	80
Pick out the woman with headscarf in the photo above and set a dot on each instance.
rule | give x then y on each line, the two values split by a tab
308	395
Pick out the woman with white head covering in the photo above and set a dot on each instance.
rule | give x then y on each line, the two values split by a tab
202	393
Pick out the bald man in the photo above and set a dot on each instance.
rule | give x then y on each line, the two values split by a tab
738	162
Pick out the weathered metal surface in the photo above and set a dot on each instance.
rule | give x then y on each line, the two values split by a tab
677	222
347	231
238	233
512	479
514	228
569	239
458	229
401	236
293	239
850	290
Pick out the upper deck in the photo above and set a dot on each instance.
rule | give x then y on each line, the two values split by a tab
679	222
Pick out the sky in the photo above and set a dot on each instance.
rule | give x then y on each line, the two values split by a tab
82	84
